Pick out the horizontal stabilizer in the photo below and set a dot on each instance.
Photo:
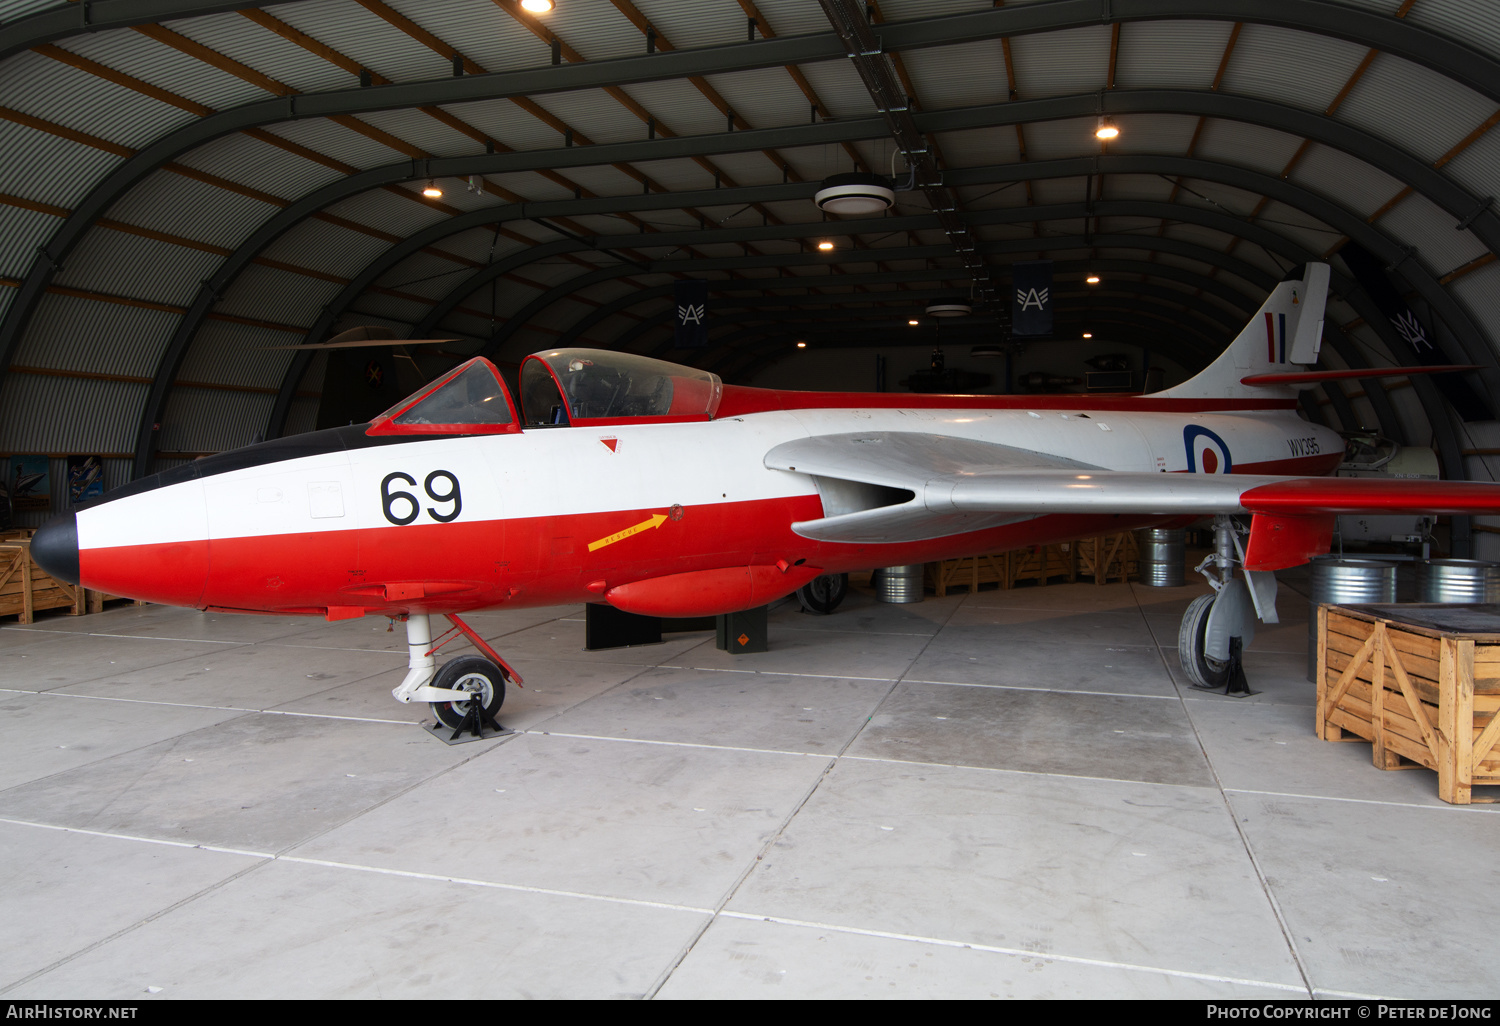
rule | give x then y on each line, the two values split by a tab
1313	377
364	344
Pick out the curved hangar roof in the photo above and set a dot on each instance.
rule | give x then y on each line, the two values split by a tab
187	185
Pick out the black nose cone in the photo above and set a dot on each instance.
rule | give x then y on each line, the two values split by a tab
55	547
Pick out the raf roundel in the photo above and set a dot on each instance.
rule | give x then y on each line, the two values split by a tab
1206	452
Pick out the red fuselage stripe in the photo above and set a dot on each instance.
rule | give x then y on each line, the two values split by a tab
535	560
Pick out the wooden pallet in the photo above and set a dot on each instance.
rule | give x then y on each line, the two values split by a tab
1421	694
95	600
26	588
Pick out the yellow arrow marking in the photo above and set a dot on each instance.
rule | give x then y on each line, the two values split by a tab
657	519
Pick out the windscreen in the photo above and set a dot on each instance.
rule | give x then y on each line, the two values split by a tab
471	395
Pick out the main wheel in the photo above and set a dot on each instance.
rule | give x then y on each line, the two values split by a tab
1202	671
823	594
468	673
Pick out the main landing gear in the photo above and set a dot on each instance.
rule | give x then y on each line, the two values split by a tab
823	594
1216	628
467	692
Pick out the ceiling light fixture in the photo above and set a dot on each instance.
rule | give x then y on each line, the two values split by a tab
801	345
431	191
1107	129
536	6
825	245
856	194
949	308
986	351
913	322
1088	334
1092	279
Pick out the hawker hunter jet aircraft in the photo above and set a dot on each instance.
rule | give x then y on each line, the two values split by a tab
661	491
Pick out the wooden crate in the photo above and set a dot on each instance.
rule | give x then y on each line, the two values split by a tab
1041	563
1418	682
26	588
971	571
1113	556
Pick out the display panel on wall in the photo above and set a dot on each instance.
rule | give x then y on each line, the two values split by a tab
28	483
85	479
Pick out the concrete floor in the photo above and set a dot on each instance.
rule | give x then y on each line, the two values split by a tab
1007	794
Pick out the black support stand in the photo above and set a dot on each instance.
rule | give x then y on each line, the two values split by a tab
1238	686
607	627
475	720
742	632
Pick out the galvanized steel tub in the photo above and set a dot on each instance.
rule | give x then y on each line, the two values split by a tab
1345	582
1163	556
1457	580
899	583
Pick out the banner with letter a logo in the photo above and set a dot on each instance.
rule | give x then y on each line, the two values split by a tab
1369	272
1031	298
692	313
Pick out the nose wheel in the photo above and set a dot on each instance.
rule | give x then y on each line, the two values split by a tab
481	678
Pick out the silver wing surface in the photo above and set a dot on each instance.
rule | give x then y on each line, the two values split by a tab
890	486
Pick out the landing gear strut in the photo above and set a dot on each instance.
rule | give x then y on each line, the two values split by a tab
1216	628
467	692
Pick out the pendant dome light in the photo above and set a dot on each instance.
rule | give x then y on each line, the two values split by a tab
953	307
855	194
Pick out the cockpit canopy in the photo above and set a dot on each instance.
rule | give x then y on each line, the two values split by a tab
471	399
592	386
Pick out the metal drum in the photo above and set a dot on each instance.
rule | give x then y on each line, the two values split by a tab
1345	582
1458	580
1163	557
900	583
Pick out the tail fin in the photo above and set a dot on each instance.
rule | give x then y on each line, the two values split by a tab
1284	335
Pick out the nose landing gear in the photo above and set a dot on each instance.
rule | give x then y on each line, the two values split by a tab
467	692
475	676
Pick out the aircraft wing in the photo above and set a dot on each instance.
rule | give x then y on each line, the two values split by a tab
930	486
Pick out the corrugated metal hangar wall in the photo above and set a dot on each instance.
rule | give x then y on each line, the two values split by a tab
189	189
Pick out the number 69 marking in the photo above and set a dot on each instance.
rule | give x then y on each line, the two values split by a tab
389	498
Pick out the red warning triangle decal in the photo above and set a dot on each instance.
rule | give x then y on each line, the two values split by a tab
611	442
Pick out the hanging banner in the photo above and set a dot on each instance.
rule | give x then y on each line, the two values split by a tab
1031	298
1369	272
691	296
